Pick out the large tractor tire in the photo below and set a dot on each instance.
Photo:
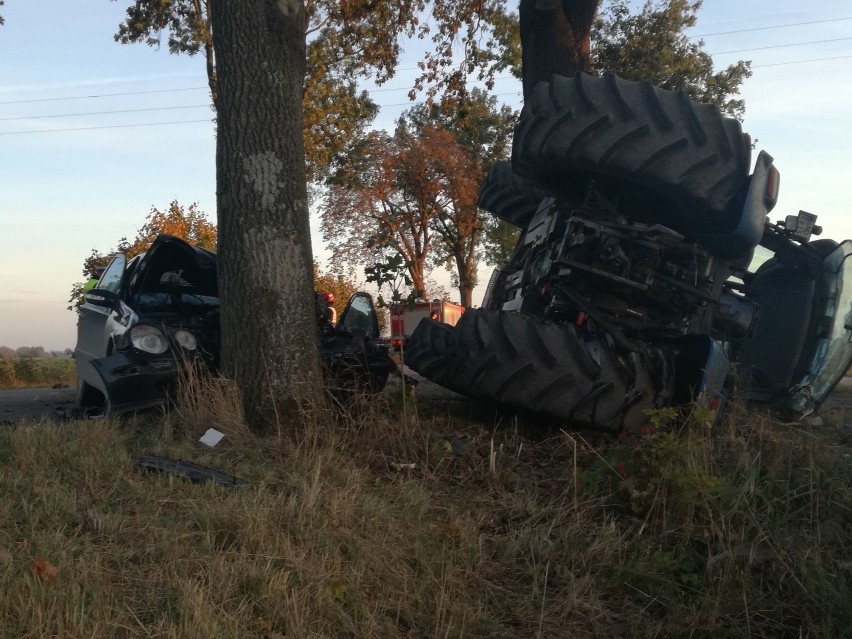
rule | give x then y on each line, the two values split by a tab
540	367
684	157
426	352
509	196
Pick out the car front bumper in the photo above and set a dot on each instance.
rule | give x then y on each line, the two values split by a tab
133	383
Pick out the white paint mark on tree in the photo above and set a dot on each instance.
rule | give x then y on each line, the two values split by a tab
271	268
288	7
263	170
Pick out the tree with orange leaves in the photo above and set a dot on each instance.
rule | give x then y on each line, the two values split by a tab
383	204
406	193
482	132
190	224
457	221
414	193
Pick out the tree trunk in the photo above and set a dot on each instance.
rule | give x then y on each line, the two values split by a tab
202	11
418	276
465	293
265	280
554	38
466	269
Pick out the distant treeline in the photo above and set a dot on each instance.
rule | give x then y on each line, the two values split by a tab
30	366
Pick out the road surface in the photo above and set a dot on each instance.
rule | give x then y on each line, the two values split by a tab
23	404
27	404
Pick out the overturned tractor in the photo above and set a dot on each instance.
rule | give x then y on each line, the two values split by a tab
631	286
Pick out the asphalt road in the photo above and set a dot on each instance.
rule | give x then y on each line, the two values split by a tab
35	404
23	404
28	404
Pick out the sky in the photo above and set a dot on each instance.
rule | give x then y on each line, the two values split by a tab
94	133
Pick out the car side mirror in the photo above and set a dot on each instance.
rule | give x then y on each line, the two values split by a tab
360	314
101	297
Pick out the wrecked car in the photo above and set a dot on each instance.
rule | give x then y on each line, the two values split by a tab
631	288
156	312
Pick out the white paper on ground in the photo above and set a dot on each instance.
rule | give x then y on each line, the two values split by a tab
211	437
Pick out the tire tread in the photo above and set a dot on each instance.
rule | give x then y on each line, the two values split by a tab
637	134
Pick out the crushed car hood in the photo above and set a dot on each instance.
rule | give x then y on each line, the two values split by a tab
173	279
172	257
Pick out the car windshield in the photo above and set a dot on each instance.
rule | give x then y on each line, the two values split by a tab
183	289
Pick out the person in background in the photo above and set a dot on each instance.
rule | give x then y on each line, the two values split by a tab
433	316
328	297
94	278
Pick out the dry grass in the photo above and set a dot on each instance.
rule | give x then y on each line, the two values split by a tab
738	531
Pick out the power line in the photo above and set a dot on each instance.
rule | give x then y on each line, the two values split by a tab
385	89
193	106
74	115
381	106
92	128
779	26
781	64
129	93
701	35
103	95
123	126
781	46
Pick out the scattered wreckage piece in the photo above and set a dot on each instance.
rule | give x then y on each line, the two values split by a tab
195	473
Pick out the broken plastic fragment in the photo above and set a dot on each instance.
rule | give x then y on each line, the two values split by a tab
194	472
211	437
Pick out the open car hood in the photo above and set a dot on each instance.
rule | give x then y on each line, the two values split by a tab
173	262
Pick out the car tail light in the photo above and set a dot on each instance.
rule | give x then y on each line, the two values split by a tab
149	339
773	184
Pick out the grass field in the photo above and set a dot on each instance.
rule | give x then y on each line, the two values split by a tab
32	372
680	530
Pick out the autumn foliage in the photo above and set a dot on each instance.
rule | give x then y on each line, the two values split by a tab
406	190
346	41
190	224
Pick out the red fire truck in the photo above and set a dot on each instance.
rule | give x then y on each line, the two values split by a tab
404	318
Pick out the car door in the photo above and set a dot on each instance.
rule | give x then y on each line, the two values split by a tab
94	313
359	340
360	315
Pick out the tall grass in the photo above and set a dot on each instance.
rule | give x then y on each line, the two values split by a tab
374	523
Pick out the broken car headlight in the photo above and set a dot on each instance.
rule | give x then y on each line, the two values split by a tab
149	339
186	339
